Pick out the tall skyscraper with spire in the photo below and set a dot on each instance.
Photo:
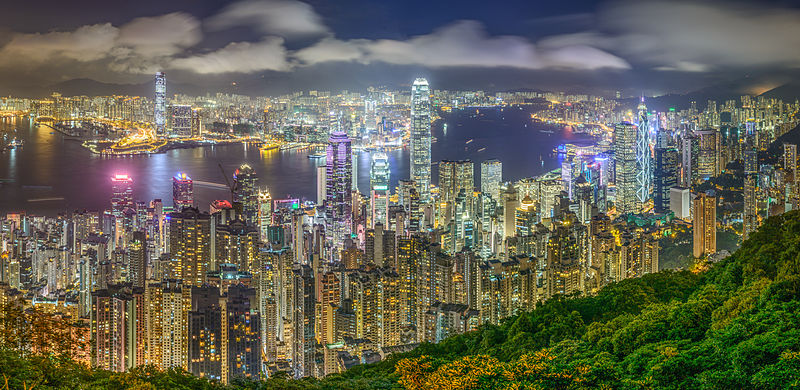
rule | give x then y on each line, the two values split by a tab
160	110
644	169
421	137
379	189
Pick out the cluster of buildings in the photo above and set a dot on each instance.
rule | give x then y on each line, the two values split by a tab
246	287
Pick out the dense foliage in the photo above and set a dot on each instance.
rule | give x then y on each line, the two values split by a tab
736	325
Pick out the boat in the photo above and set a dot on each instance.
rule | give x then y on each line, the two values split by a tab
15	143
270	146
470	140
481	149
317	153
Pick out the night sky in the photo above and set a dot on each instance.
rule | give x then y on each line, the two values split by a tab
272	46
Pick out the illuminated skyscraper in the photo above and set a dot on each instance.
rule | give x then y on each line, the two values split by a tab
236	243
246	192
790	159
303	319
644	172
708	155
409	254
666	177
338	194
182	191
421	138
241	340
750	219
379	189
626	168
189	243
321	183
491	177
137	259
370	121
114	327
455	176
567	253
160	111
175	305
205	333
264	213
121	194
705	225
197	123
181	120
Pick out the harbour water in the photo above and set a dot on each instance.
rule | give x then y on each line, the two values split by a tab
51	174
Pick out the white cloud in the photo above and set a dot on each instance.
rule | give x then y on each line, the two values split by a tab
139	46
238	57
701	36
670	36
86	43
331	50
287	18
160	35
461	44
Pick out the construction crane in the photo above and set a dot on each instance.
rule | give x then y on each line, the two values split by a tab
232	187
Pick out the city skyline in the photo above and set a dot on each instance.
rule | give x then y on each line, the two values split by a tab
432	226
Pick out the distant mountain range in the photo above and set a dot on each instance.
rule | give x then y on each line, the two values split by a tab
91	87
76	87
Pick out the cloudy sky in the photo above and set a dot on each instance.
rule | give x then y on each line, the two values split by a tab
273	46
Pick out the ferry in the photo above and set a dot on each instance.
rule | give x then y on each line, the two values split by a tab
15	143
319	152
270	146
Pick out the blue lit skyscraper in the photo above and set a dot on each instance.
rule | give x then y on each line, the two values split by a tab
421	137
644	171
160	110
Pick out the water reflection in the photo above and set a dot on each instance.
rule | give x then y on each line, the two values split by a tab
82	178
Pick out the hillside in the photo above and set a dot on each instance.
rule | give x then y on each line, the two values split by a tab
734	325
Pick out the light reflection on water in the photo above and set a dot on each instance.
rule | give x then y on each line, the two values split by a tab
82	178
